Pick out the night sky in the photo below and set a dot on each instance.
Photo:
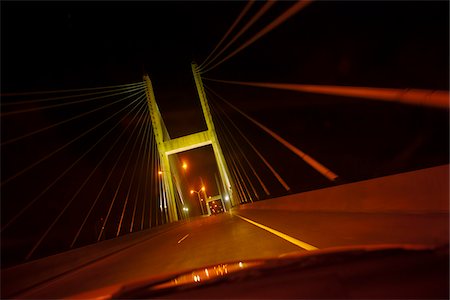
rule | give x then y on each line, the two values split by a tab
69	45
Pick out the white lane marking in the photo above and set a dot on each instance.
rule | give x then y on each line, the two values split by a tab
286	237
182	239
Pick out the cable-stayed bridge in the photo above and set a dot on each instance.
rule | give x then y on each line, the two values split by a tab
117	171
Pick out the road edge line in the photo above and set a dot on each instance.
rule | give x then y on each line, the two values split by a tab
284	236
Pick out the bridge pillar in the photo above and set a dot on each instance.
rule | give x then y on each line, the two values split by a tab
222	165
161	135
167	146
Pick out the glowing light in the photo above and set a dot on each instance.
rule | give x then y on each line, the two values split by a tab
184	166
160	172
241	265
203	188
192	191
206	272
227	198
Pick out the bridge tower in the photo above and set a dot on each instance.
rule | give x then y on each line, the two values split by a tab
167	146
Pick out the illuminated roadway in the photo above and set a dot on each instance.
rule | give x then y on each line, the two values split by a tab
230	237
224	238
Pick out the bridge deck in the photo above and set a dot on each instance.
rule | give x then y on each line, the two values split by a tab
415	211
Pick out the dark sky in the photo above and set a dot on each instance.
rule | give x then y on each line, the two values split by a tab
66	45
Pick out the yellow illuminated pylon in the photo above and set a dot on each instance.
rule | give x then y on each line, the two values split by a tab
167	146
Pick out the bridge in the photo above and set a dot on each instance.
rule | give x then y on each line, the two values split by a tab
112	198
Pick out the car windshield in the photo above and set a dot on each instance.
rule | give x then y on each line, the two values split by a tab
142	140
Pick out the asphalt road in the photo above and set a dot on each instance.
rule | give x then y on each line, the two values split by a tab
227	237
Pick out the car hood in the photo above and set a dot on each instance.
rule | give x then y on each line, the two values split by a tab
160	285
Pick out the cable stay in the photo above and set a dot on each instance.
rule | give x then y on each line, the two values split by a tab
234	156
240	184
56	180
66	144
152	188
267	5
164	195
67	96
147	142
66	120
268	165
149	156
133	174
238	166
240	16
295	8
74	196
161	195
112	169
430	98
308	159
238	146
71	90
121	180
68	103
159	192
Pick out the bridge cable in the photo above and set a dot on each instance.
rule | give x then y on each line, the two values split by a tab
239	184
155	178
66	170
150	190
145	169
9	113
237	178
113	200
159	191
73	197
66	97
144	174
240	16
308	159
431	98
228	136
236	167
153	185
238	146
71	90
133	174
255	18
65	145
140	176
162	193
268	165
275	23
111	171
64	121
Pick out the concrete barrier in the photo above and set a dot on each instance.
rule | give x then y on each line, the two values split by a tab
422	191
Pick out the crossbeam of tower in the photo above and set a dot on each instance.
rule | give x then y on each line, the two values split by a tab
167	146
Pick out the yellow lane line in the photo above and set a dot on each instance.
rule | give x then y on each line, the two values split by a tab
286	237
182	239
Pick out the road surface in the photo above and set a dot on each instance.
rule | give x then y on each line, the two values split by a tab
407	208
229	237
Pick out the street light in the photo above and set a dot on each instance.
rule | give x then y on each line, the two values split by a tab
199	199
